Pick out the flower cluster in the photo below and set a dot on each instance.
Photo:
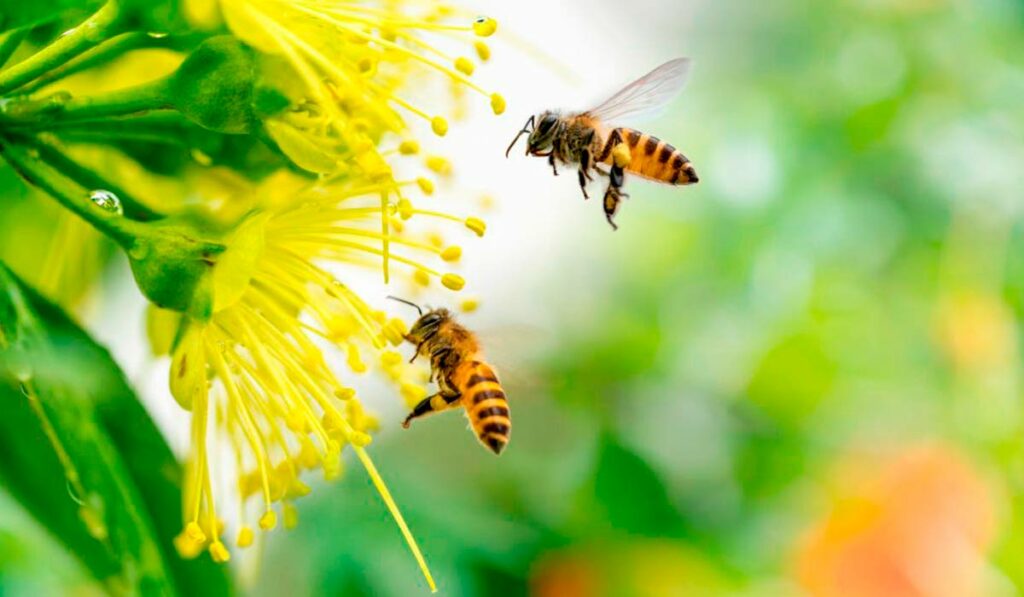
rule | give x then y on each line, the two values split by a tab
298	110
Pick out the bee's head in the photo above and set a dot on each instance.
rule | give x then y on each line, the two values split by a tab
542	137
427	325
542	129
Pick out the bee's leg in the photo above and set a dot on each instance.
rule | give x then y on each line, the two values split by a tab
614	195
551	160
584	171
431	404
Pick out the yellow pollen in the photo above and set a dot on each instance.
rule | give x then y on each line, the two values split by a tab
439	125
269	520
464	65
452	253
298	489
409	147
476	225
622	155
497	103
426	185
485	26
453	281
245	537
470	304
354	361
421	277
219	553
483	51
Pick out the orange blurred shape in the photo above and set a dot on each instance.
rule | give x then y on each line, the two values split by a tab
919	525
565	575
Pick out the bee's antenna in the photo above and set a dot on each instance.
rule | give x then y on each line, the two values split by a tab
526	129
410	303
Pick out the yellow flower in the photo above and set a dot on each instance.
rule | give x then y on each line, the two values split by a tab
255	376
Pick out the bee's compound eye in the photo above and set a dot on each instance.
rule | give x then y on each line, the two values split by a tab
546	122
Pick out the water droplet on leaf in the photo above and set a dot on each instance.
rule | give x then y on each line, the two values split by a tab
107	201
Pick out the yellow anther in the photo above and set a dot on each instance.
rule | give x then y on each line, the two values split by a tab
439	164
453	281
296	421
395	331
452	253
471	304
497	103
186	547
439	125
332	463
435	240
390	358
367	66
464	65
291	516
485	26
476	225
195	533
219	553
298	489
308	456
354	361
344	394
405	209
409	147
358	438
380	316
421	277
483	51
269	520
412	393
426	185
245	537
332	421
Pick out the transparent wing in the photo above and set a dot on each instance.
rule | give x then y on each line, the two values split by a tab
646	96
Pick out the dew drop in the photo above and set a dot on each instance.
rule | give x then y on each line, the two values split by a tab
157	34
106	201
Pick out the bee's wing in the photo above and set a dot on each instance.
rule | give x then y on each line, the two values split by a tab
646	96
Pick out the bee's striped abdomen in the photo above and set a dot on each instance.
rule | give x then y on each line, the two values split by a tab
486	406
652	158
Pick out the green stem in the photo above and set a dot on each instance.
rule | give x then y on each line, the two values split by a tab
9	43
89	179
69	194
109	50
95	29
39	113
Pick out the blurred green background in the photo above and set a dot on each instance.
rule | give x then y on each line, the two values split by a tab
802	376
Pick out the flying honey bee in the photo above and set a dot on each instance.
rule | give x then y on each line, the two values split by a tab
589	138
463	378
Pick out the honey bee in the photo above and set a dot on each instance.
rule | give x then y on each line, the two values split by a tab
463	378
588	138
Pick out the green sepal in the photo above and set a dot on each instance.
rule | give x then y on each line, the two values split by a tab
173	267
215	86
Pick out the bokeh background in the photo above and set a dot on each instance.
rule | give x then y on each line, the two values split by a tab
802	375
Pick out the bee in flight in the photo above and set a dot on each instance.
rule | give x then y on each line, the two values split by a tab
590	140
463	378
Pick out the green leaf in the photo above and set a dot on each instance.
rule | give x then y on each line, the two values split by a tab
81	454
